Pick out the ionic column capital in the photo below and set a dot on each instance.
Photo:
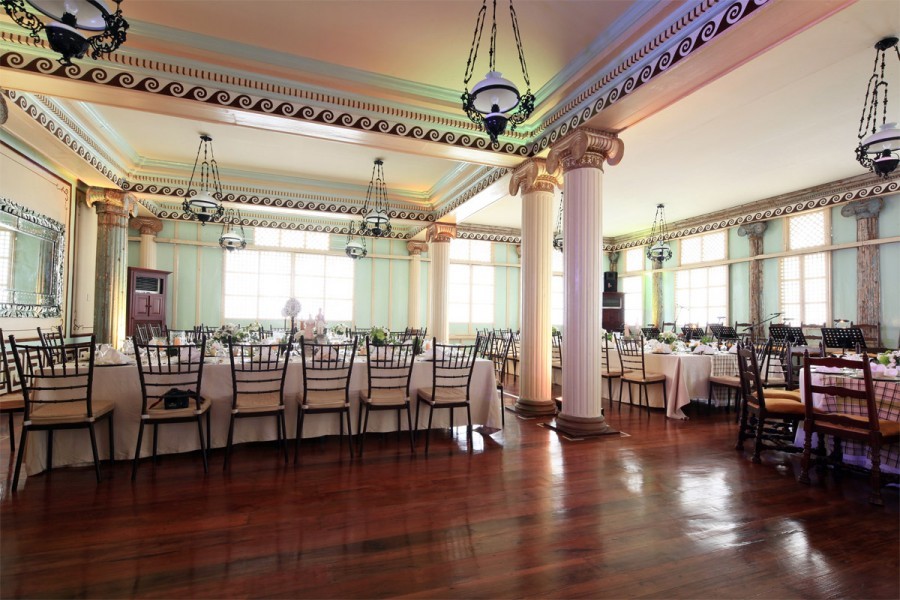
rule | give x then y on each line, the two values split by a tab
614	260
532	176
111	200
416	248
585	148
752	230
863	209
519	250
145	225
441	232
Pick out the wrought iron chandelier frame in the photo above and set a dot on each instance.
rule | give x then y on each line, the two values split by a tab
879	143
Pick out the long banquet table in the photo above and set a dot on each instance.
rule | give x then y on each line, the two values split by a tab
121	385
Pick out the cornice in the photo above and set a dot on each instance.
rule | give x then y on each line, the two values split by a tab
505	235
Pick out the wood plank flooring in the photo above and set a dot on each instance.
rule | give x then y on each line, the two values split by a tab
670	510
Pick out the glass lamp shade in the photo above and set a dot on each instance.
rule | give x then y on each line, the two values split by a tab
203	206
377	222
494	94
659	251
886	138
82	14
355	249
230	240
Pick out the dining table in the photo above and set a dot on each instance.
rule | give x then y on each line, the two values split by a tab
887	402
121	385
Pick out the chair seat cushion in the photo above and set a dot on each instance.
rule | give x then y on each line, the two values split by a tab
784	406
158	413
443	395
256	403
68	412
385	397
635	377
784	395
318	399
726	380
888	429
12	402
610	374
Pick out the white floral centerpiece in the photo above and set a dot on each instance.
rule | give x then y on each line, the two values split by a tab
378	336
230	331
339	329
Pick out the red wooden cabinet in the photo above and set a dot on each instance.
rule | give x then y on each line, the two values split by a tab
147	290
613	311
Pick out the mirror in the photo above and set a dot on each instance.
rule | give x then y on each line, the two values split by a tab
32	250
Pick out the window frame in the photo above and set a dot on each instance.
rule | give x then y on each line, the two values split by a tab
803	320
711	319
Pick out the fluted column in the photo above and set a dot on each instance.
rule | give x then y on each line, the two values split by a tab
754	234
439	236
656	297
868	271
415	250
148	227
111	285
536	379
581	156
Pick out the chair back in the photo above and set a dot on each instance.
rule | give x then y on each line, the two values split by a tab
52	385
142	335
498	352
605	355
327	369
556	345
258	370
748	373
390	366
163	368
843	416
651	331
775	369
670	325
9	375
452	366
484	351
631	354
52	342
871	335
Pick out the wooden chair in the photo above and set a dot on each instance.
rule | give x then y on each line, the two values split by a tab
326	385
857	421
774	418
669	326
651	331
58	396
161	374
631	355
498	353
389	372
451	379
52	342
731	384
142	334
11	399
257	384
515	349
871	334
609	374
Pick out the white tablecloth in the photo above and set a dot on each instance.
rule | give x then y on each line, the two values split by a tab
121	385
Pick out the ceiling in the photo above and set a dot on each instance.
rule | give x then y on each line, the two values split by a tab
769	108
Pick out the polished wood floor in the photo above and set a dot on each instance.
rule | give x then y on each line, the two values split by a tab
670	510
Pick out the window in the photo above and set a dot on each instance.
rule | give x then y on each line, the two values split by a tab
701	295
808	230
471	297
633	288
290	238
634	260
258	283
470	251
704	248
804	288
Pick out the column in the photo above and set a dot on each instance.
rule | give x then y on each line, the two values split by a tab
868	271
148	228
656	298
111	284
754	234
581	156
536	381
439	236
415	250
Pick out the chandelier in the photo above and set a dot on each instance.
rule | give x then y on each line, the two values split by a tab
659	248
230	239
495	101
375	220
356	247
205	205
878	148
558	233
68	17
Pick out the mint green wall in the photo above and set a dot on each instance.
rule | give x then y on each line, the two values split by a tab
843	282
889	226
843	229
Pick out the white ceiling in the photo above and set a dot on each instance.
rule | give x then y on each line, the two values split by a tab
782	121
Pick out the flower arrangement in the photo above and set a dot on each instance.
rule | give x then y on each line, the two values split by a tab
554	330
889	359
230	332
707	339
291	308
339	329
667	337
378	336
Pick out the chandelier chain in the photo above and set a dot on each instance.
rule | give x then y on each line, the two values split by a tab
194	169
476	42
515	28
491	64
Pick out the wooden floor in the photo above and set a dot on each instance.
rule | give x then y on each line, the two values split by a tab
670	510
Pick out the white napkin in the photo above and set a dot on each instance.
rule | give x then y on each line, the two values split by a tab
704	349
107	355
662	349
186	354
879	370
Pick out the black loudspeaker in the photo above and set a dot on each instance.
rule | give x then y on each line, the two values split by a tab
610	281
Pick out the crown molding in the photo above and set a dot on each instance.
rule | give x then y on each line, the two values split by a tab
506	235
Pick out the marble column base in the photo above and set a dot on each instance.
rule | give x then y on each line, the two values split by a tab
535	408
582	426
